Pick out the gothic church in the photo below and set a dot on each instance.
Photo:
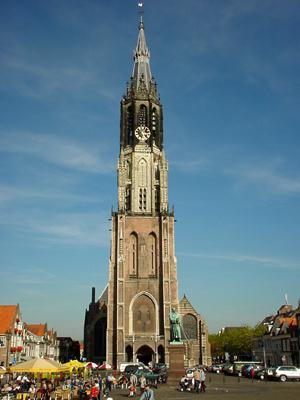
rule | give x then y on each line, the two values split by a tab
130	320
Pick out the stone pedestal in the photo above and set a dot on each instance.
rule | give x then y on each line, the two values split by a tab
176	363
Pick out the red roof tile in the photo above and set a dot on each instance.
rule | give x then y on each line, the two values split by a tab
37	329
7	317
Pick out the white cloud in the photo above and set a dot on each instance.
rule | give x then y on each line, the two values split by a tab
268	178
10	194
31	78
90	228
244	258
190	165
56	150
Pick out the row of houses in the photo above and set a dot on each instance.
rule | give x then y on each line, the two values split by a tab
20	341
280	345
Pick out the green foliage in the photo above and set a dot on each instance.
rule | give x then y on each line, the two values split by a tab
235	341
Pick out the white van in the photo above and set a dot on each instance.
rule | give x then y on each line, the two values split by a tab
124	365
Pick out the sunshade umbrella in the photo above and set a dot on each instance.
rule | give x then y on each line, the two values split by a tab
91	365
38	365
105	366
73	364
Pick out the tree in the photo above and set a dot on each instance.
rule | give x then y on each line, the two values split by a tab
236	341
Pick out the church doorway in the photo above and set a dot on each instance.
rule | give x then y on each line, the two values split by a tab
145	354
161	354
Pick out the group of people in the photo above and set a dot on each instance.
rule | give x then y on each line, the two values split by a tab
29	385
46	389
94	388
145	391
195	382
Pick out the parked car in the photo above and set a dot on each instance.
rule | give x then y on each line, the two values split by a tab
150	376
246	369
239	366
228	369
285	372
124	365
216	368
264	373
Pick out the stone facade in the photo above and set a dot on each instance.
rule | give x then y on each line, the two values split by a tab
195	335
142	286
40	342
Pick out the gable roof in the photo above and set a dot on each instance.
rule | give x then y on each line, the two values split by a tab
104	296
37	329
8	315
185	306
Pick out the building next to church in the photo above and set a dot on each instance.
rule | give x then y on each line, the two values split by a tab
20	341
130	320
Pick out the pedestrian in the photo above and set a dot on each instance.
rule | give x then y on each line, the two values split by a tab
197	380
202	380
147	394
133	379
94	392
143	383
252	373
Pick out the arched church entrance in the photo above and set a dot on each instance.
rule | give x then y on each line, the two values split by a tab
145	354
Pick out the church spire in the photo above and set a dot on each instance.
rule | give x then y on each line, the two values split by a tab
141	68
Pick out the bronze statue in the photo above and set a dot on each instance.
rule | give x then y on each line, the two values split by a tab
175	326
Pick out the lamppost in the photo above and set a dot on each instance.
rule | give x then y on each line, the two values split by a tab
8	339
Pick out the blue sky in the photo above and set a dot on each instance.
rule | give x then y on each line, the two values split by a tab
229	77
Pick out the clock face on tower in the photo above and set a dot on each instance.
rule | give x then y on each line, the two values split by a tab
142	133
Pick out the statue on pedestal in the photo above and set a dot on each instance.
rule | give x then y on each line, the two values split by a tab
175	326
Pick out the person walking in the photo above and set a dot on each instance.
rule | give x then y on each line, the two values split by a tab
143	383
197	380
202	380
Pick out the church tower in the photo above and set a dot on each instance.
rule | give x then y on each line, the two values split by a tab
142	285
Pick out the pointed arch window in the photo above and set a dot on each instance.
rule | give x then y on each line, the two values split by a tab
152	243
145	199
128	199
142	116
189	323
143	170
141	200
129	123
133	254
128	169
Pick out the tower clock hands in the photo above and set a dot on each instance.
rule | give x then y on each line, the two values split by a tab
142	133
